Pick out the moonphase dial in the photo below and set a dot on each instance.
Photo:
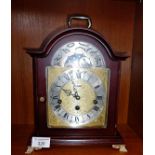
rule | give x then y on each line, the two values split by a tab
78	54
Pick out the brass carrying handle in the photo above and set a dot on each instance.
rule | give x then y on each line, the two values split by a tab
79	17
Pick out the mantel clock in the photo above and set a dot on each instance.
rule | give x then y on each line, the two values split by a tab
76	79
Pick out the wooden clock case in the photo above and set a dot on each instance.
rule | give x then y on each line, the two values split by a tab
75	136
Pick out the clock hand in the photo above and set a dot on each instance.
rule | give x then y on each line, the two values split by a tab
67	92
75	85
76	95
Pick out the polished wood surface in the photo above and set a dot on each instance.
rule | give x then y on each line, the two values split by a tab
20	134
33	20
42	58
135	117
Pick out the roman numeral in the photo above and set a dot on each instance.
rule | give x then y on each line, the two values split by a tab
57	86
66	115
88	116
66	77
96	108
76	119
71	76
99	97
57	107
97	86
55	97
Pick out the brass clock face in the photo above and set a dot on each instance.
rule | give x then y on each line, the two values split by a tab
77	83
77	97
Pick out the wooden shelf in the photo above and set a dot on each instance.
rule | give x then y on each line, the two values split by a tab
21	133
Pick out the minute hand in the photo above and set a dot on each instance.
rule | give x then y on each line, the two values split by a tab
76	95
67	92
75	90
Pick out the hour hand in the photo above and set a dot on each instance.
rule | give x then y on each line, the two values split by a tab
76	96
75	85
67	92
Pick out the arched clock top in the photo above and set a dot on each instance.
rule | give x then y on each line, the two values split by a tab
76	76
76	34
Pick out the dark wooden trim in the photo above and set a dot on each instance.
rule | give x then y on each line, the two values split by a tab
84	140
50	41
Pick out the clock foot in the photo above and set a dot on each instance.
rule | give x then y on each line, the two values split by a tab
30	149
121	147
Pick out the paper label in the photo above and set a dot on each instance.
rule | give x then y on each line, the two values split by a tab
40	142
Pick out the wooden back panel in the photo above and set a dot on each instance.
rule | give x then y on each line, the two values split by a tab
32	21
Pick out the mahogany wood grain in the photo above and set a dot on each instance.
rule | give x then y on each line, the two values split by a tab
135	116
20	135
42	58
33	20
